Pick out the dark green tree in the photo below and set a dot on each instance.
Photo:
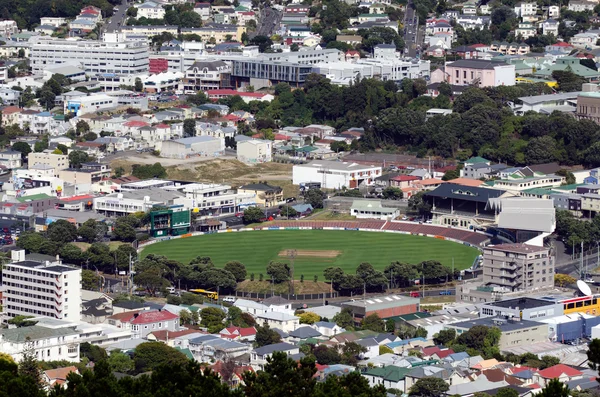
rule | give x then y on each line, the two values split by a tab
266	336
237	269
149	356
429	387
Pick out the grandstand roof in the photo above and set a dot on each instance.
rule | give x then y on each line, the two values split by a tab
468	193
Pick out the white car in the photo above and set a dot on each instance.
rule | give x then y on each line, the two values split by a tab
229	299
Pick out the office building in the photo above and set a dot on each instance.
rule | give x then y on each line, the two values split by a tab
518	267
49	289
97	58
213	200
523	307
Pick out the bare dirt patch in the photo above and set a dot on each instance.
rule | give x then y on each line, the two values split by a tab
312	253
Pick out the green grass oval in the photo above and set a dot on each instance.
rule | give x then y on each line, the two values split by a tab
256	249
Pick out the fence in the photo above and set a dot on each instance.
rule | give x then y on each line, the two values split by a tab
300	297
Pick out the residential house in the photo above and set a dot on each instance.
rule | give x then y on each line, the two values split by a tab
481	73
391	376
252	307
258	357
57	376
237	377
277	303
207	348
327	328
302	334
283	321
562	372
255	151
143	323
550	26
238	333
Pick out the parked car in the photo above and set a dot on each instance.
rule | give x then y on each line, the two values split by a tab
229	299
445	292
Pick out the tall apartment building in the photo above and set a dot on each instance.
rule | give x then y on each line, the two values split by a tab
96	57
56	161
518	267
49	289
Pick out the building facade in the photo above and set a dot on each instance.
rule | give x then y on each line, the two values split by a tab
48	289
518	267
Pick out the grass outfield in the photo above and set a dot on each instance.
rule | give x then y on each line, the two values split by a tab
316	249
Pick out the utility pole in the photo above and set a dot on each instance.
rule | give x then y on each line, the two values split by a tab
423	275
582	276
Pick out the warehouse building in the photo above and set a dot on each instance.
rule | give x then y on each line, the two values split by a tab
193	146
523	307
384	306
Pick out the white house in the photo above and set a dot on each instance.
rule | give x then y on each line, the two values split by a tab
49	344
335	174
283	321
248	306
279	304
150	9
327	328
372	209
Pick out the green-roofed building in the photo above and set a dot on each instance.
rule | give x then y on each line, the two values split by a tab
391	376
187	352
477	160
572	188
34	197
569	64
537	192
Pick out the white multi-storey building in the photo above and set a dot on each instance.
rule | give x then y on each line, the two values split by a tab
97	58
48	289
335	174
8	28
212	199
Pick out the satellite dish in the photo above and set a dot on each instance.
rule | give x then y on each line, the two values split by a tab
584	288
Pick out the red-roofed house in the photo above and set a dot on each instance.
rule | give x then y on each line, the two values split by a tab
562	372
246	96
443	353
132	127
10	115
430	351
57	376
403	181
143	323
352	56
237	333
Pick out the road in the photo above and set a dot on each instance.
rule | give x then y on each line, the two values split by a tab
118	18
268	22
413	36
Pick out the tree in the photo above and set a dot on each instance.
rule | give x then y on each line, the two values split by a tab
132	12
148	171
90	280
383	349
266	336
47	99
138	85
198	99
563	280
429	387
373	322
151	281
568	81
593	355
70	253
315	198
253	215
507	392
123	232
344	318
29	366
189	128
22	321
77	157
22	147
554	388
416	203
392	193
309	318
212	318
444	337
569	177
149	356
333	274
30	241
120	362
237	269
82	127
326	355
61	231
279	272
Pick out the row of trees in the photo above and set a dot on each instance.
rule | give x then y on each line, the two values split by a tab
573	232
395	275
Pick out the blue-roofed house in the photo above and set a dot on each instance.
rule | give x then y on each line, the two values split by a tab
303	209
594	177
221	109
454	358
303	333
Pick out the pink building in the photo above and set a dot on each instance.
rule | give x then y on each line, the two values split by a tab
479	72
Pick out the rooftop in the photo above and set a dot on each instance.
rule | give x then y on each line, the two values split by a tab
521	303
503	324
518	248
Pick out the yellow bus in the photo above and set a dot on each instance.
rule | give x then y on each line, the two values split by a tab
208	294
